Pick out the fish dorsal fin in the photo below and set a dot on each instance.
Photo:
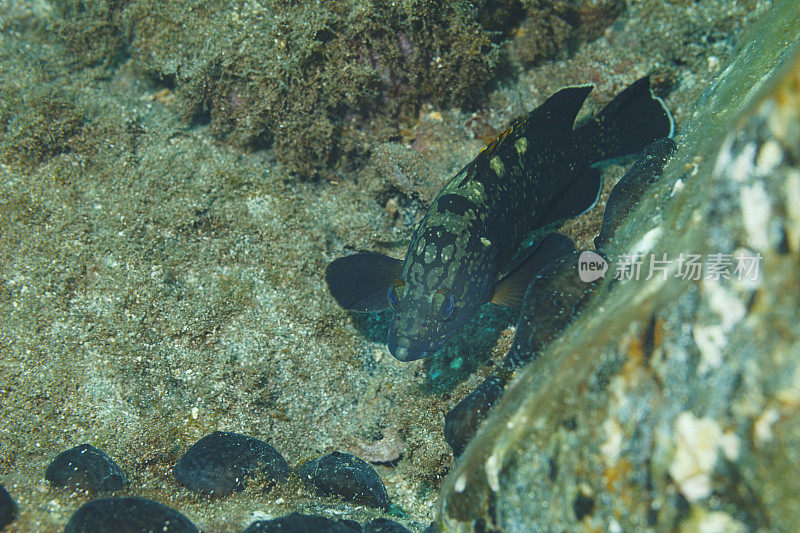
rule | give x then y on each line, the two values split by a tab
554	118
359	282
510	288
576	198
561	109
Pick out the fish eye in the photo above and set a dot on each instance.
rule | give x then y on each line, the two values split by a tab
443	304
395	294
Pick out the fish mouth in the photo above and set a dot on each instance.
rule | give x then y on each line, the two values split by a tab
409	353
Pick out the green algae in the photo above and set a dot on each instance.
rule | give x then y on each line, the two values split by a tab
598	372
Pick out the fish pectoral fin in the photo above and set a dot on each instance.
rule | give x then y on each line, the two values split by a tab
577	198
359	282
509	291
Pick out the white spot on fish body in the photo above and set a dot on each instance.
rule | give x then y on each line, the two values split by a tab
521	145
447	252
497	165
430	253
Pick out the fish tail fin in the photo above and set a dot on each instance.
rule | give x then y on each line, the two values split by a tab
628	123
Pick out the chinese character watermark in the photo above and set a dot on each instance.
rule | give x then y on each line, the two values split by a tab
686	266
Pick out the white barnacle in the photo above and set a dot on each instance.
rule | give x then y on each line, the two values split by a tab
756	211
521	145
697	447
493	472
497	165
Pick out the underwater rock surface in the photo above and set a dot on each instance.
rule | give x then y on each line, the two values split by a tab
85	467
672	401
223	462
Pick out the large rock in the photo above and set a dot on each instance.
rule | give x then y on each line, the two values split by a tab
87	468
672	402
344	476
223	462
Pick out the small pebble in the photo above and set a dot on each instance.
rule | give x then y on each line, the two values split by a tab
8	508
345	476
128	515
384	525
222	463
303	523
85	467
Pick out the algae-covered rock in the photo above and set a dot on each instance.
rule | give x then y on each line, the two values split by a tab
320	82
672	401
317	82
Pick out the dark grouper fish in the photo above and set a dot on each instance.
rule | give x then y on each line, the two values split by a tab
465	251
